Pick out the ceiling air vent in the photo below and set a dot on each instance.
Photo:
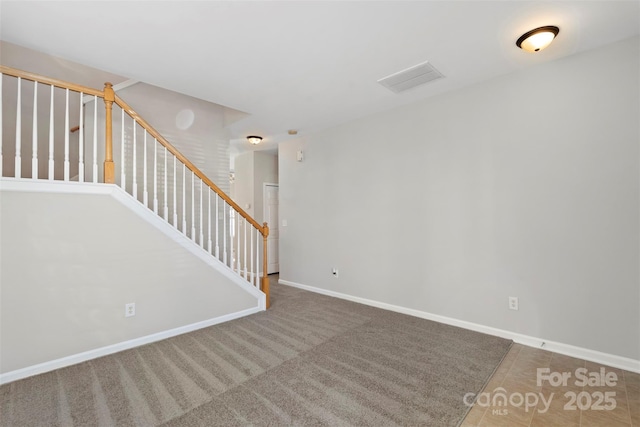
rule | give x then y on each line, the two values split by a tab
411	77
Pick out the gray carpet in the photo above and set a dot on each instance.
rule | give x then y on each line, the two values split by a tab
309	360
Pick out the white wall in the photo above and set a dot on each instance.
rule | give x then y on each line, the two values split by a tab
70	263
243	187
526	185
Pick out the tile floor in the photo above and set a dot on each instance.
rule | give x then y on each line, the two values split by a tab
568	403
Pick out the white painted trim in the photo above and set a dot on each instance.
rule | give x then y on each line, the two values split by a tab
114	348
566	349
45	186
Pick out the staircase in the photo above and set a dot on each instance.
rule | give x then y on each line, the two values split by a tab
115	146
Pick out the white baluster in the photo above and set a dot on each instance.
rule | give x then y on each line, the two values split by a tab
34	134
201	229
51	162
66	136
166	205
175	193
95	141
244	258
145	193
155	176
134	190
257	257
81	142
217	234
184	199
238	247
123	174
1	141
238	242
18	159
224	231
209	247
253	273
193	207
231	242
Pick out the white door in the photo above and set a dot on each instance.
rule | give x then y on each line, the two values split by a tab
271	217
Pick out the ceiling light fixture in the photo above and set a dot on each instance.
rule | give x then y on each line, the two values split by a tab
537	39
254	140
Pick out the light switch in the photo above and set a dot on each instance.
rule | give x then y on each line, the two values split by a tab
284	222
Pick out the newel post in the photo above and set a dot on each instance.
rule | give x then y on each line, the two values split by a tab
265	278
109	167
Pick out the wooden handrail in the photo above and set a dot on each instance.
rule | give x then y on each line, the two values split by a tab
142	122
47	80
263	229
109	166
109	92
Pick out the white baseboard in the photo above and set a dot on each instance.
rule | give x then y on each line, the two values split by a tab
566	349
63	362
46	186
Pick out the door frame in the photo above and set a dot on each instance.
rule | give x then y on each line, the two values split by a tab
264	205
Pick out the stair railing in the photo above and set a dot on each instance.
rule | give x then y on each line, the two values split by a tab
150	168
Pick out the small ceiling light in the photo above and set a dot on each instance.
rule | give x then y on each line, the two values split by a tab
537	39
254	140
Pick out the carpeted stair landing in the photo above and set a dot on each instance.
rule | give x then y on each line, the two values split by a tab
309	360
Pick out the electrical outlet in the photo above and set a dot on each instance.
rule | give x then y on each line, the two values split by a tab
334	271
130	309
513	303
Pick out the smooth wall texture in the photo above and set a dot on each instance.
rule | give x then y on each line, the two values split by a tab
243	188
526	185
252	170
70	263
195	127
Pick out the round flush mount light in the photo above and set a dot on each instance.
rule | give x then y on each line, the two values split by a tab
538	38
254	140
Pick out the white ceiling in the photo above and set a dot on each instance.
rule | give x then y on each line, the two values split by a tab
307	65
